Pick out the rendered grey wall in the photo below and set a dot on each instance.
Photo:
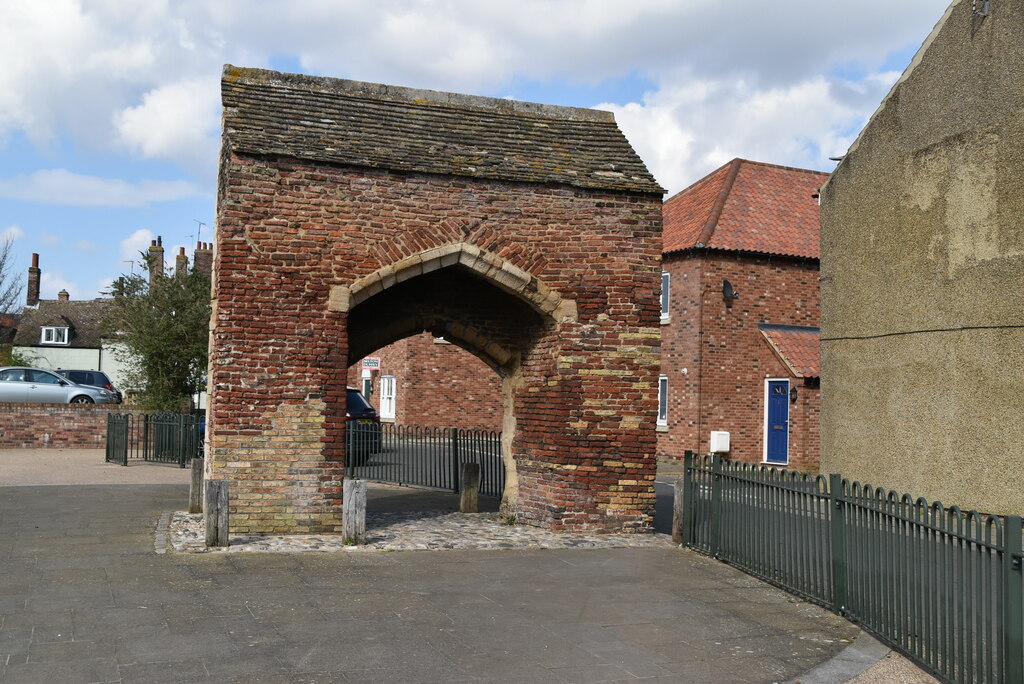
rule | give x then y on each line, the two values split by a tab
923	276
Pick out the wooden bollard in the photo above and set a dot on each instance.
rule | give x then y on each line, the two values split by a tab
353	512
469	492
195	491
678	507
215	508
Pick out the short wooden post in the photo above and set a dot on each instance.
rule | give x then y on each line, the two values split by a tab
215	508
469	494
353	512
678	509
195	492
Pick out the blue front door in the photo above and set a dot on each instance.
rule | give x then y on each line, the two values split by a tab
777	430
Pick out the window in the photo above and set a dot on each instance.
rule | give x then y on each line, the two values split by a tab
387	397
12	375
662	400
42	377
664	295
51	335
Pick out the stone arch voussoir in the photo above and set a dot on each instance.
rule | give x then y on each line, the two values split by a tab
489	266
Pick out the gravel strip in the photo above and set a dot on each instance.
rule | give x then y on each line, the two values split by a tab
413	531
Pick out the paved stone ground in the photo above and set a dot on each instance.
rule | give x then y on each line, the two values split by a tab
84	598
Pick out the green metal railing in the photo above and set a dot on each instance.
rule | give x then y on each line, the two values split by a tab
424	456
943	586
159	437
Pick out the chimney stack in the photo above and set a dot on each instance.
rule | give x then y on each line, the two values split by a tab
203	258
32	297
63	296
180	263
156	259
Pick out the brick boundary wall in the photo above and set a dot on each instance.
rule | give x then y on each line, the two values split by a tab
56	426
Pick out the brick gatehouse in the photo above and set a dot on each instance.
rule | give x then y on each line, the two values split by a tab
351	215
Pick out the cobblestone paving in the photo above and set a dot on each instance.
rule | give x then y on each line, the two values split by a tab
408	531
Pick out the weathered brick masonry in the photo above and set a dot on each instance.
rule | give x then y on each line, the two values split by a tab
353	215
754	225
55	426
438	384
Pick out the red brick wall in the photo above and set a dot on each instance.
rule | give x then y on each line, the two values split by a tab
438	384
55	426
728	359
583	386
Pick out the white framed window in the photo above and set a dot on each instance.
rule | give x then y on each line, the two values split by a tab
53	335
662	400
367	378
387	397
665	288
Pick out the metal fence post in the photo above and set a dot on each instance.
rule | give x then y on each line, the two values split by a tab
837	511
716	503
1014	619
455	459
689	500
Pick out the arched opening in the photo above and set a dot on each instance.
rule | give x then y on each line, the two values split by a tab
466	306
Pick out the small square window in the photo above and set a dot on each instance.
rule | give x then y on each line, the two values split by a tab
52	335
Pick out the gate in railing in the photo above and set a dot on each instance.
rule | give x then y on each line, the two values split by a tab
943	586
159	437
424	456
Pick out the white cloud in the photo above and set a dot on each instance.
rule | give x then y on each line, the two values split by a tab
11	233
52	282
132	248
120	74
685	132
85	246
50	240
176	121
60	186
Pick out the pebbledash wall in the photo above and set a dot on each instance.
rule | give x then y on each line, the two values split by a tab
353	215
435	384
55	426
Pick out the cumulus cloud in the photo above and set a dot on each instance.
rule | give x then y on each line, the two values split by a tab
685	132
11	233
60	186
121	75
133	246
177	122
52	282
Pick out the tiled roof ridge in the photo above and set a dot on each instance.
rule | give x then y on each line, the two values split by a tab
704	237
380	91
781	166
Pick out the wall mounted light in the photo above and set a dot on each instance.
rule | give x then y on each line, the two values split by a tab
728	293
792	395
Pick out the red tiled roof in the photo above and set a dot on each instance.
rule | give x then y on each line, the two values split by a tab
747	206
797	346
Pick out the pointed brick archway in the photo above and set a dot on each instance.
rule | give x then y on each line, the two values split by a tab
351	215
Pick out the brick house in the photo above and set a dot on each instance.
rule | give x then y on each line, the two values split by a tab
740	311
426	380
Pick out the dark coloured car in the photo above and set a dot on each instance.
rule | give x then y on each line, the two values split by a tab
363	434
92	378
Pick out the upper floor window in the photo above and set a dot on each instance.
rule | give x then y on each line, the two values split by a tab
664	294
52	335
662	400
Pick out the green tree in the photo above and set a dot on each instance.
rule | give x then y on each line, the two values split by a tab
161	334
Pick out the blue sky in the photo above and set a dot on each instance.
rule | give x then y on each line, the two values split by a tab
109	110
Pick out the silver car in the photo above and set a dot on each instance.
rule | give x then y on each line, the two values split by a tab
42	386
